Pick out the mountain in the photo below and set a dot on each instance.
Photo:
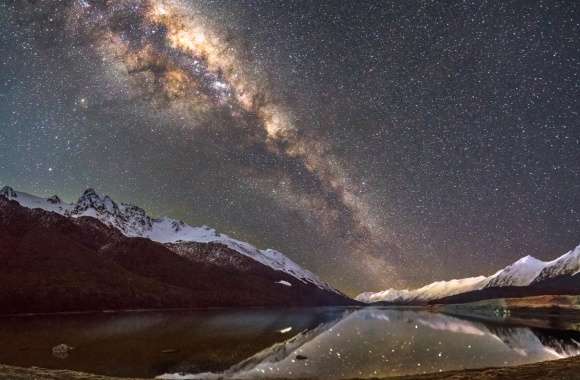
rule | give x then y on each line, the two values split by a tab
429	292
526	277
559	285
565	265
133	221
53	262
520	273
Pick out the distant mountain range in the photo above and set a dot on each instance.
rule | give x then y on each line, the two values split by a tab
526	277
98	254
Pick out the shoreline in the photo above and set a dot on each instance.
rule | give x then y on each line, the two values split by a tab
561	369
178	309
467	309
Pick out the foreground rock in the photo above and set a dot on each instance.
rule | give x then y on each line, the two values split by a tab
564	369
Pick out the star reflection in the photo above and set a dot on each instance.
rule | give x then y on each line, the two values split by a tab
376	342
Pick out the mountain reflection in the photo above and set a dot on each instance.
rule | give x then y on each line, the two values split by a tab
388	342
285	343
146	344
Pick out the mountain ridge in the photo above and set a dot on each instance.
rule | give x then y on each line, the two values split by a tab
526	275
133	221
54	263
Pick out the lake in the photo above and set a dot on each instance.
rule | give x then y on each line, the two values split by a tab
292	343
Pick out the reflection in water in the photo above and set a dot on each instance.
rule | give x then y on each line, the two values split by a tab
376	343
299	343
151	343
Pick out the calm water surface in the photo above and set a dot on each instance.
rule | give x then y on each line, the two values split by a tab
324	343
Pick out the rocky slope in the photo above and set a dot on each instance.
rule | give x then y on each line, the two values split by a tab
133	221
55	263
565	265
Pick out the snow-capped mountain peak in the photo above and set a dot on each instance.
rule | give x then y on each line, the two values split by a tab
133	221
91	200
428	292
526	271
520	273
567	264
8	192
49	204
527	259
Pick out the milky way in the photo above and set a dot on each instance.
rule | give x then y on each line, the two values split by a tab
169	53
378	144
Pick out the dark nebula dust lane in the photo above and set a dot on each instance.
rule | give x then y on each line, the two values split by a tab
182	65
378	144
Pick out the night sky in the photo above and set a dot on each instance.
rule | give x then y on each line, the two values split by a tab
379	144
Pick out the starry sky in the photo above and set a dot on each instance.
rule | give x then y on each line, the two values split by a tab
377	143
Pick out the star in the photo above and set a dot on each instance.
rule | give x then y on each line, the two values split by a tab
379	146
